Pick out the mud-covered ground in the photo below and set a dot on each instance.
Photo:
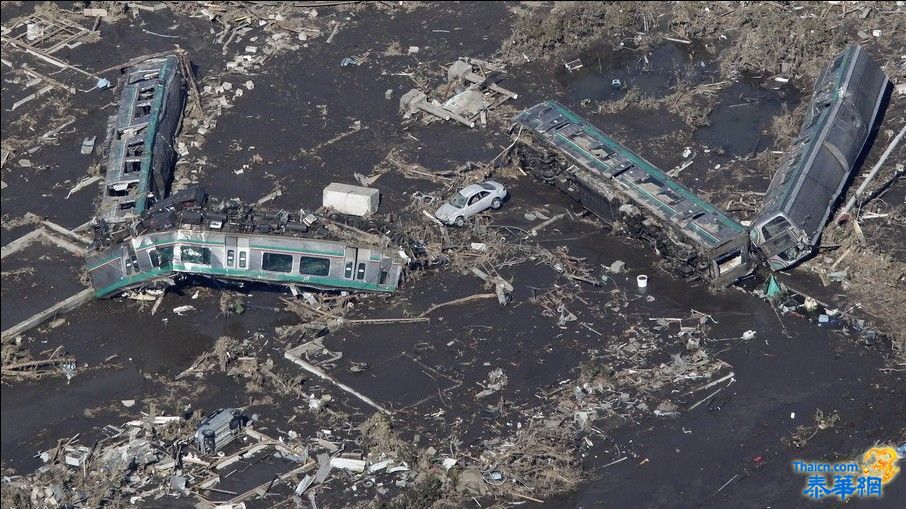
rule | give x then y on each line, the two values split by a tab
309	121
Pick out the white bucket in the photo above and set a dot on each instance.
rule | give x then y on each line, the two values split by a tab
642	281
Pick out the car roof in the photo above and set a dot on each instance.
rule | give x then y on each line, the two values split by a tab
472	189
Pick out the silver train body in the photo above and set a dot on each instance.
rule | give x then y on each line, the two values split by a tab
804	190
144	260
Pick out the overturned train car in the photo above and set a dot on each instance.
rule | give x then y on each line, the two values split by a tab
183	235
613	182
140	154
805	188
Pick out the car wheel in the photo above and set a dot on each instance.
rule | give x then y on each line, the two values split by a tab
496	203
460	221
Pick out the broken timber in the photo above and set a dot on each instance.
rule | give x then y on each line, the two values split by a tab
49	313
293	356
477	93
50	232
21	243
871	174
454	302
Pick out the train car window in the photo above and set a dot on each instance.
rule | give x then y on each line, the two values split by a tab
274	262
361	272
155	257
131	265
837	62
243	259
348	273
383	277
194	254
774	226
314	266
231	257
161	257
166	255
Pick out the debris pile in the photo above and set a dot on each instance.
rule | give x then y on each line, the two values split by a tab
167	456
573	26
475	93
626	381
243	360
784	40
18	362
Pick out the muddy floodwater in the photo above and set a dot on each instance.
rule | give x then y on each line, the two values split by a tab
307	120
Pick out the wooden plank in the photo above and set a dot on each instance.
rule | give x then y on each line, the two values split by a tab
19	244
63	306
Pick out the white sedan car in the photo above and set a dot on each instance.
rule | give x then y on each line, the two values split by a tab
470	201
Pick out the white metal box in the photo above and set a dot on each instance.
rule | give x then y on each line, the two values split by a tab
352	200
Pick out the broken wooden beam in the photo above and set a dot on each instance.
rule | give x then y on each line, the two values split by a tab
63	243
19	244
20	368
871	175
435	307
85	182
534	231
323	375
502	287
66	232
382	321
61	307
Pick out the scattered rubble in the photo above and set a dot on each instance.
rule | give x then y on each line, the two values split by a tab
476	93
289	405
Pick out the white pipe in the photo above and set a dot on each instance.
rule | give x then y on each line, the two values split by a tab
871	174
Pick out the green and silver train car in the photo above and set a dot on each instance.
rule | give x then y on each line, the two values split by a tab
140	153
188	234
565	150
804	190
144	260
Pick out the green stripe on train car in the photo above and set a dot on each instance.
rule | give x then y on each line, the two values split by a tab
262	276
278	277
641	163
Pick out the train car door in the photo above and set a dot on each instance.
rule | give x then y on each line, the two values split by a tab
130	261
243	256
349	260
230	244
361	263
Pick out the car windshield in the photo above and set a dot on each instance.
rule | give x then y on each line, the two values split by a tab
459	201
